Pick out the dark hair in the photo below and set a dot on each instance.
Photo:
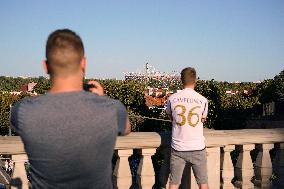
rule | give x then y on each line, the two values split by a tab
188	76
64	52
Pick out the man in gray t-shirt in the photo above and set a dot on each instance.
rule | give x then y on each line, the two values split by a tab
69	134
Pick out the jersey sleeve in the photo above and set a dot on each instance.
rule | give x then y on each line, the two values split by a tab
205	111
122	117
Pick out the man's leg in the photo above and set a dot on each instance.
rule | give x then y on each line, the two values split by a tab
203	186
176	169
174	186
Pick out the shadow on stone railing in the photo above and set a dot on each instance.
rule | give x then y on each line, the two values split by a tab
235	159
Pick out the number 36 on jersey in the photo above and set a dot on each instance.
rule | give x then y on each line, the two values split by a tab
192	117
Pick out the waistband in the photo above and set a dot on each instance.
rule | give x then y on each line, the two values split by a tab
189	150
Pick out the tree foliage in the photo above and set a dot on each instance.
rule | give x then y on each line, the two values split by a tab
225	111
6	100
210	90
42	86
131	94
273	89
13	83
279	85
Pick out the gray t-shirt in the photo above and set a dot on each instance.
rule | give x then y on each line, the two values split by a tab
69	138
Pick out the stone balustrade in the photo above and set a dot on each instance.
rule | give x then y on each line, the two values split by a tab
250	158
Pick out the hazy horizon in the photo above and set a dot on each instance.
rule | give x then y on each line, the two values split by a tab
47	77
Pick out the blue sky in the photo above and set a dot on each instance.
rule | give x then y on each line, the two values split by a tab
232	40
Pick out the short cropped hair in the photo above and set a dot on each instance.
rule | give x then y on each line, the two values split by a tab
64	52
188	76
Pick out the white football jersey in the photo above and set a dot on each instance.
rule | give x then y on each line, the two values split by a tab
187	108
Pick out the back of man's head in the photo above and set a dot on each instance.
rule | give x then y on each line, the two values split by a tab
188	76
64	53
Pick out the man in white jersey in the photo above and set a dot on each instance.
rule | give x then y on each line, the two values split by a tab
188	111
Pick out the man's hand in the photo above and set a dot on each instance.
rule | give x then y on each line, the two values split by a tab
127	127
98	89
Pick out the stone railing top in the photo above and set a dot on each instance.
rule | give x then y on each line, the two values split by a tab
14	145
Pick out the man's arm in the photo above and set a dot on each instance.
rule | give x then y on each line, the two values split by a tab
170	116
124	125
123	119
169	110
205	112
14	117
127	127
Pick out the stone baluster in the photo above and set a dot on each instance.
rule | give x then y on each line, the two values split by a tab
19	175
278	165
213	167
122	173
227	167
244	166
263	169
146	173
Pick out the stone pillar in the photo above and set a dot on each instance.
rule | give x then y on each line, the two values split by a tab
278	165
227	167
244	166
145	172
165	168
263	169
19	175
122	174
213	167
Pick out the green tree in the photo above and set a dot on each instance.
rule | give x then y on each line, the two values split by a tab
279	86
42	86
268	90
273	89
225	111
212	92
6	100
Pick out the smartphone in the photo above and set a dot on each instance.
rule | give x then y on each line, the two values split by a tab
87	86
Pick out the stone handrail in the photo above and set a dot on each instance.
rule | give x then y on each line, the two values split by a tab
221	170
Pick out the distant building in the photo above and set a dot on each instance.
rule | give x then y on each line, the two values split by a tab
156	97
257	82
155	101
150	72
232	92
15	93
157	92
28	87
31	86
24	77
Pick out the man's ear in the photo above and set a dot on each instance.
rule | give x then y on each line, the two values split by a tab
45	66
83	64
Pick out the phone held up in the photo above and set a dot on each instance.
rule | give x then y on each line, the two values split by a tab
87	87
